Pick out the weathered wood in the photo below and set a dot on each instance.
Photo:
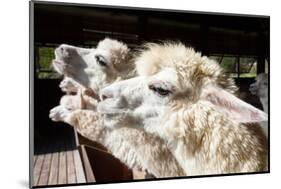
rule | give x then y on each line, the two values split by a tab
58	162
34	160
106	167
37	168
87	142
71	173
80	176
54	170
62	166
76	137
90	177
44	176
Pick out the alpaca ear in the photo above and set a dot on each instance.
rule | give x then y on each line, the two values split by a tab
232	106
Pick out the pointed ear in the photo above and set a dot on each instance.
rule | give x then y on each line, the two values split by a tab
232	106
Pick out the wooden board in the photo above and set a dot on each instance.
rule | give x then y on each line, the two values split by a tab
90	177
54	170
44	175
37	169
58	163
106	167
71	175
62	166
80	176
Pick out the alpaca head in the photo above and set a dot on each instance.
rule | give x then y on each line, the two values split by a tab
172	78
260	87
72	102
93	67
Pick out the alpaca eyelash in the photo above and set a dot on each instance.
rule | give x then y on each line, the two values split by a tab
100	60
159	90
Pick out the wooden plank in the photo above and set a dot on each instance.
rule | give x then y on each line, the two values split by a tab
87	142
106	167
54	169
44	176
62	166
87	166
80	175
34	159
37	168
76	139
71	174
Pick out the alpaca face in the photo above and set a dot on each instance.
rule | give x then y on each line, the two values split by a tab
93	68
260	87
139	100
70	59
172	79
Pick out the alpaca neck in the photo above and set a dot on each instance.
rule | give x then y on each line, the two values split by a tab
264	102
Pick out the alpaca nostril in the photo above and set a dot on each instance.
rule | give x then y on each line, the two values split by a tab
103	97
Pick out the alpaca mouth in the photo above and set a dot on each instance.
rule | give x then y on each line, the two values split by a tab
63	68
253	90
110	107
59	66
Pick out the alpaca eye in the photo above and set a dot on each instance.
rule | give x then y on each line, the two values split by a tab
161	91
101	60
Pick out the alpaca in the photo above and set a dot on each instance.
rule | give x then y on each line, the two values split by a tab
179	96
260	88
82	100
122	143
133	146
88	70
92	68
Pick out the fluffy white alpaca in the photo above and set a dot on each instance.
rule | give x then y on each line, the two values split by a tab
93	68
90	69
82	100
179	96
260	88
132	146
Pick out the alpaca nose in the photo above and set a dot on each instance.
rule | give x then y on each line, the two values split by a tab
105	94
64	51
253	88
104	97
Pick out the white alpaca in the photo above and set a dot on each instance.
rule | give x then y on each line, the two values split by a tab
180	96
93	68
89	70
260	88
82	100
132	146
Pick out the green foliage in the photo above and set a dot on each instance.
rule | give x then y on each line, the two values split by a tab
48	75
46	55
229	64
247	65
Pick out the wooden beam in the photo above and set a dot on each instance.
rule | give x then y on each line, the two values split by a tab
90	177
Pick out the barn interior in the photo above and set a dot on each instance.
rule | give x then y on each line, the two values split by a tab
240	43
